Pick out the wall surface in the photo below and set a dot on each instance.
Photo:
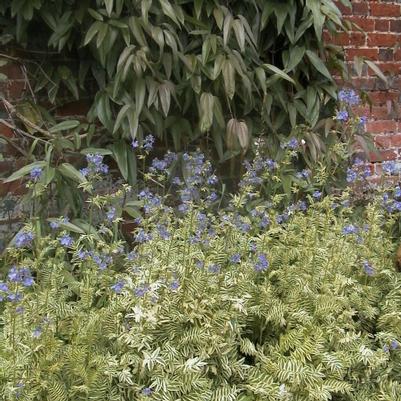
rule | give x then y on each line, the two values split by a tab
380	42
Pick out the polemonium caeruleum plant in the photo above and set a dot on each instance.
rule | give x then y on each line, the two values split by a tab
252	299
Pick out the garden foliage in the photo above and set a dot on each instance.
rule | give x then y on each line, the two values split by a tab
187	71
244	302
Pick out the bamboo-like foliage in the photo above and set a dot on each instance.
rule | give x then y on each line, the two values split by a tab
184	69
208	306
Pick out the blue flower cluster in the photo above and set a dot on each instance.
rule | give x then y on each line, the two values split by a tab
161	166
24	239
16	277
349	97
36	173
358	171
95	165
147	143
392	200
262	263
255	170
101	260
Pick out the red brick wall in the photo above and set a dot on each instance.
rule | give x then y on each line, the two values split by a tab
380	42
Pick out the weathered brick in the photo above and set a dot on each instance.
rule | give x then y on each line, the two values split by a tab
384	10
383	155
373	54
382	126
383	39
382	25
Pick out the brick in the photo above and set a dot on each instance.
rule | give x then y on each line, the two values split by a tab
382	25
16	89
373	54
383	155
366	24
12	70
385	10
386	54
383	39
340	39
381	97
393	68
360	8
395	25
381	126
358	38
6	131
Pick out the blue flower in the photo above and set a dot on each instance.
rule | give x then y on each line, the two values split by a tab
66	240
117	287
304	174
3	287
262	263
236	258
134	144
36	173
389	167
394	344
14	297
352	175
54	225
141	291
37	332
147	391
342	115
214	268
111	213
349	96
163	232
23	239
350	229
292	143
142	236
362	121
368	268
148	142
317	194
397	192
175	284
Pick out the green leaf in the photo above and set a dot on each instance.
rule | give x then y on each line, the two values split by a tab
376	70
100	151
239	33
69	171
229	78
120	156
64	126
67	226
24	171
318	64
206	111
169	10
92	31
296	54
279	73
140	89
109	6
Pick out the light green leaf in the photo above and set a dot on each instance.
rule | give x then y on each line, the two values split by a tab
100	151
24	171
318	64
296	54
279	72
206	111
64	126
229	78
92	31
120	156
376	70
69	171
